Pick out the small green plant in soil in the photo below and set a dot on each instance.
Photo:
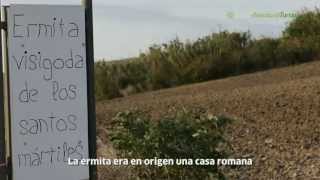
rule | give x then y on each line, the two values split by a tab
185	134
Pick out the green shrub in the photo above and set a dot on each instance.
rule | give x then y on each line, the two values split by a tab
301	38
305	25
261	55
185	134
106	81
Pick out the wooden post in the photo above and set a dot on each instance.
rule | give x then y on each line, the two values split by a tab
5	109
2	116
90	84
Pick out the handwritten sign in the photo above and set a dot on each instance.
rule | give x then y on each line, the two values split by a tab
48	91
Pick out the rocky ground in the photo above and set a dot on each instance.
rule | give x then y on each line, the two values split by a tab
276	112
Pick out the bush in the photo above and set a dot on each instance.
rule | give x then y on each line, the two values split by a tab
185	134
261	55
301	39
107	82
305	25
117	79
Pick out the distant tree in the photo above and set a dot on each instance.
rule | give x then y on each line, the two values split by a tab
304	25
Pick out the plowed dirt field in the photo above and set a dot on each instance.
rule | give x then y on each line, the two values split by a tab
276	112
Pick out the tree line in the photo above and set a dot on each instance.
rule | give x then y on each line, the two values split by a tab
217	55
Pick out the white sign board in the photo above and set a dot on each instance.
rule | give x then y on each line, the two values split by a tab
48	91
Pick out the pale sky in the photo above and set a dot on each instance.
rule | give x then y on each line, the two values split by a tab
123	28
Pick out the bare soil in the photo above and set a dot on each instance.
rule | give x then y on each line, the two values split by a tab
276	112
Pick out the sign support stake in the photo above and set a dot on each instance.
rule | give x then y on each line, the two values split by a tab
6	156
90	84
3	163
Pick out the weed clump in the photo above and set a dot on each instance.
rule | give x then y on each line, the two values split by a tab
183	135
